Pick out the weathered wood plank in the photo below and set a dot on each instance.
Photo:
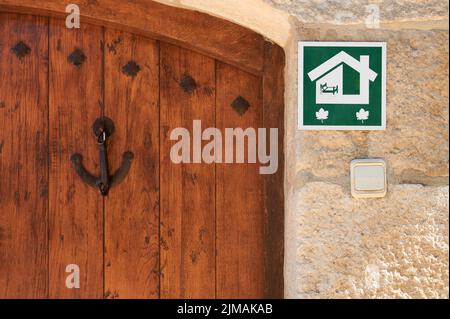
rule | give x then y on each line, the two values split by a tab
187	190
240	201
23	156
132	207
76	210
273	117
194	30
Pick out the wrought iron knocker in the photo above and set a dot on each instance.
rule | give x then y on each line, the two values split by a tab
103	128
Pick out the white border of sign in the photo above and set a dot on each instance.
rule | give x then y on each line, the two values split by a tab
301	45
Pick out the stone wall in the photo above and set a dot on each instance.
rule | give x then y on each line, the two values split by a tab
397	246
338	246
354	12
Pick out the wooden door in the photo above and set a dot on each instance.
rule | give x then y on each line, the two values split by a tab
190	230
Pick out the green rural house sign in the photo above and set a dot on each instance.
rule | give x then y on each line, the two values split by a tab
342	85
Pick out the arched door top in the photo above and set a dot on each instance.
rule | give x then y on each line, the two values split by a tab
201	32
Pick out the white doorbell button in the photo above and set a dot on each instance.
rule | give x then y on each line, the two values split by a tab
368	178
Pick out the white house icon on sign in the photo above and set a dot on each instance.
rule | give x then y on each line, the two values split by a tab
329	77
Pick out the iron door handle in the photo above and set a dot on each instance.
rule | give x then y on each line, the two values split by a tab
103	128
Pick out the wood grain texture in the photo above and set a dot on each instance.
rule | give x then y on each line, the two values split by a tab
240	202
23	157
132	207
168	230
187	190
273	117
76	210
194	30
